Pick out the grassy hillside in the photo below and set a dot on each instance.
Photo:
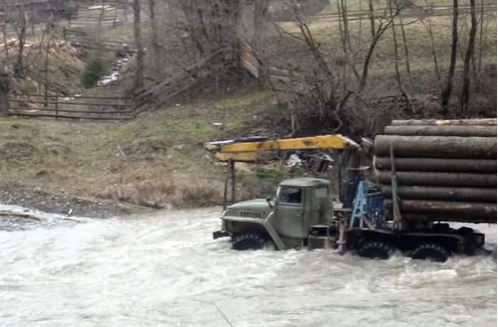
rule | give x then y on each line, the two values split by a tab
157	160
326	32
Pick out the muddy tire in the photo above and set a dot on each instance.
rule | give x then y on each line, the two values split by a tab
376	250
430	251
249	241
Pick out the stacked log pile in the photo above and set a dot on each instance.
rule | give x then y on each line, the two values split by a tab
445	169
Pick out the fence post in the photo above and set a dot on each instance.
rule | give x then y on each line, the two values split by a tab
56	107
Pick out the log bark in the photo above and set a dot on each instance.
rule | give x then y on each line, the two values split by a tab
450	217
451	122
436	146
441	130
487	195
438	179
446	210
437	165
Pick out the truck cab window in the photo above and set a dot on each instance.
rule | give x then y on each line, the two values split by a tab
290	195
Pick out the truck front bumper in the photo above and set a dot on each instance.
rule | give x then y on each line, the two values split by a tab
219	234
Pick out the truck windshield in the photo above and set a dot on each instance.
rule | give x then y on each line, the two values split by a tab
290	195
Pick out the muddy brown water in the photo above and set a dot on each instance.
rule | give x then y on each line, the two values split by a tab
165	270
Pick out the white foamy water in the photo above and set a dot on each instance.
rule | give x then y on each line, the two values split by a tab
165	270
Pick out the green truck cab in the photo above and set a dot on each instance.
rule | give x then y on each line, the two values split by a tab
301	208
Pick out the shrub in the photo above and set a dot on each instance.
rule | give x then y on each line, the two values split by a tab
92	72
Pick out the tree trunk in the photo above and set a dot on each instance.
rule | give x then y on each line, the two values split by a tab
372	18
469	212
100	31
433	50
482	166
442	193
345	22
153	26
481	36
360	29
405	43
438	179
366	64
446	93
436	146
449	122
137	30
46	65
396	57
442	130
21	31
260	16
4	94
464	102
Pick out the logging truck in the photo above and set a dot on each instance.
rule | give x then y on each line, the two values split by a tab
426	174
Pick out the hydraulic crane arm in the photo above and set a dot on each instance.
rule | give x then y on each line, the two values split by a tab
251	151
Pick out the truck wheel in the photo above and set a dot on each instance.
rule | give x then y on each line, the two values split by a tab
376	250
248	241
430	251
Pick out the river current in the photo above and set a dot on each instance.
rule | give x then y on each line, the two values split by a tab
164	269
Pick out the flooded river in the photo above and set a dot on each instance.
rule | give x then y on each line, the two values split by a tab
165	270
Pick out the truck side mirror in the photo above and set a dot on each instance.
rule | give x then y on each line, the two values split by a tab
268	199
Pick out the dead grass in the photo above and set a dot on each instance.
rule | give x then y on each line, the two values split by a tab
156	160
167	193
326	33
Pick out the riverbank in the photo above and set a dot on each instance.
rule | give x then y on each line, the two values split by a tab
62	203
105	169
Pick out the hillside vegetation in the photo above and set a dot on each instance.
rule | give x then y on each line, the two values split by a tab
158	159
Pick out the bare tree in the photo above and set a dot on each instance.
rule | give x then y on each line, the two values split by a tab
435	59
372	18
137	31
46	63
20	24
153	26
405	43
379	31
481	36
464	101
447	90
396	54
4	93
260	15
99	24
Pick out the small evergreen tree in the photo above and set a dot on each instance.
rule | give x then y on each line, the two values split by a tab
93	71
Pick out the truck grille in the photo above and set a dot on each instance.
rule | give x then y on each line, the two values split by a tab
249	214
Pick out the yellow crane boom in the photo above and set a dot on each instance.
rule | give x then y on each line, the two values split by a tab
261	150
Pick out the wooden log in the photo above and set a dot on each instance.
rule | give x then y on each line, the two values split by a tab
448	217
438	179
464	211
437	165
441	130
444	210
487	195
441	122
436	146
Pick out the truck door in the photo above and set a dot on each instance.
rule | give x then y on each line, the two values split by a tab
289	212
321	209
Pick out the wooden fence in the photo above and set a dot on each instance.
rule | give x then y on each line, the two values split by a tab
74	108
411	11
